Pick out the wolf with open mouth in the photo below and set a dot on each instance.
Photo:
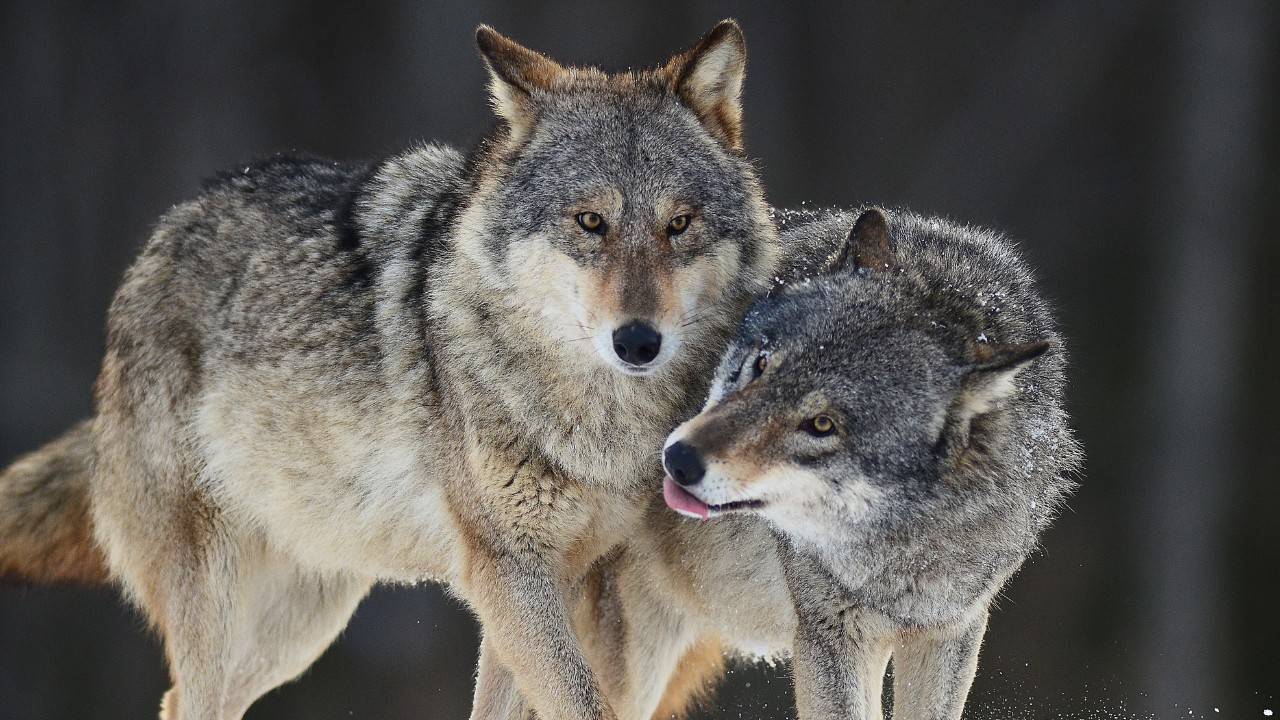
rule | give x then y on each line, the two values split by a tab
882	447
899	423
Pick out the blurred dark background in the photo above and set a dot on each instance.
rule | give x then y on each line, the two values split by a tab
1130	145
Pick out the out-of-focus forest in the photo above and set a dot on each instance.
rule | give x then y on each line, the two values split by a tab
1130	145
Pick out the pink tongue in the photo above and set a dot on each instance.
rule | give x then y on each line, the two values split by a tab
681	501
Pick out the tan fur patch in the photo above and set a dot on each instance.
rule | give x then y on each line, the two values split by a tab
630	287
701	669
516	72
46	531
744	470
709	78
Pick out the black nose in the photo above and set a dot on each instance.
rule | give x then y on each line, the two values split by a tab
684	464
637	343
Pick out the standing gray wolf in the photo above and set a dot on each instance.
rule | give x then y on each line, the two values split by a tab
884	443
318	377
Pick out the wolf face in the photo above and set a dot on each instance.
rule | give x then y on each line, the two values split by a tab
839	402
618	213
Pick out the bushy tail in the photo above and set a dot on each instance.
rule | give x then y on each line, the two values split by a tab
46	531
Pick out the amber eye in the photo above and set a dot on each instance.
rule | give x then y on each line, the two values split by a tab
762	362
819	426
678	224
591	222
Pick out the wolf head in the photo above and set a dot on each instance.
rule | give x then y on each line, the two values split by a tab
847	398
617	214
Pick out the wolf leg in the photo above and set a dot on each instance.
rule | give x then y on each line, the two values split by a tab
633	644
242	620
522	607
840	652
288	616
496	696
839	668
656	643
171	548
191	599
236	618
932	671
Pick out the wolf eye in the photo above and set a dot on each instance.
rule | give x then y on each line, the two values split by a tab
819	425
678	224
591	222
762	362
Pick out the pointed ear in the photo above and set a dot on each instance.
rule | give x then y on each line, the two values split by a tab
989	383
867	246
516	75
708	78
991	375
990	357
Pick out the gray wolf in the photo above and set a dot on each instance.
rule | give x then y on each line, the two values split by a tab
461	368
883	444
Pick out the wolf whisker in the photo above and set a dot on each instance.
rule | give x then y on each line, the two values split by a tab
697	318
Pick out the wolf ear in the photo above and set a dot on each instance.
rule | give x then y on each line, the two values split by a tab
988	383
708	78
991	374
867	245
516	75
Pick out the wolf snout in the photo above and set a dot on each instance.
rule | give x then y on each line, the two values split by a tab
684	463
637	343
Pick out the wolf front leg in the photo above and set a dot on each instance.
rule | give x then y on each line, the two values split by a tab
933	669
839	668
840	652
527	635
496	696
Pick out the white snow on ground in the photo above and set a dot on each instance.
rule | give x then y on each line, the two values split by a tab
1024	709
1012	697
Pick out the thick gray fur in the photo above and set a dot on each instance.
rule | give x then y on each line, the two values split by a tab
953	452
319	376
